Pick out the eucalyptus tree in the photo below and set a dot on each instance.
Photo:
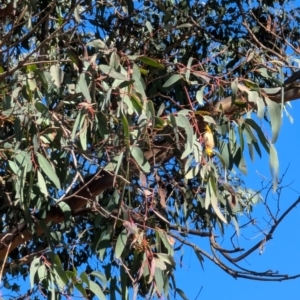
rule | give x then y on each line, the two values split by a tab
124	128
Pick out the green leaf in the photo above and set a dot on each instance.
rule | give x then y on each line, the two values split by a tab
42	184
185	25
260	134
40	107
57	74
65	208
126	130
274	110
124	288
274	165
241	137
76	124
139	157
35	264
240	162
159	280
193	172
264	72
181	294
234	89
47	168
84	87
200	258
166	258
254	97
214	200
149	27
174	78
199	95
188	69
42	77
95	288
98	44
137	105
112	73
100	276
42	273
151	62
83	133
58	267
14	167
84	278
81	289
121	243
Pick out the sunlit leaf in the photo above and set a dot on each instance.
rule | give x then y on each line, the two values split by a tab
95	288
98	44
33	269
57	74
199	95
214	200
173	79
275	115
274	165
234	89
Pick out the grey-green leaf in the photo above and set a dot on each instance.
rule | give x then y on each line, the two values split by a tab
274	165
95	288
121	243
174	78
275	115
33	268
47	168
199	95
139	157
112	73
84	87
98	44
234	89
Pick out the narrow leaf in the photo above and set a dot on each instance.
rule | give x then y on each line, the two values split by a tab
35	264
84	88
275	115
95	288
98	44
121	243
151	62
214	201
47	168
199	95
174	78
234	89
274	165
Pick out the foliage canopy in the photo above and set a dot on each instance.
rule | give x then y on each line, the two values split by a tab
123	131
